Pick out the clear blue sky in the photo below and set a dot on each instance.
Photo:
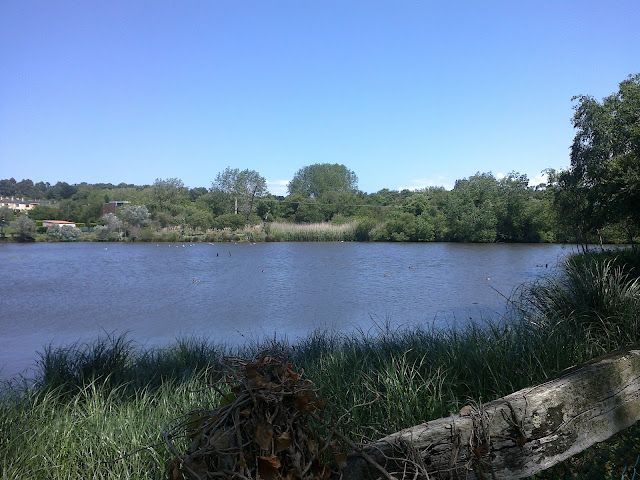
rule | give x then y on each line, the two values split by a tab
404	93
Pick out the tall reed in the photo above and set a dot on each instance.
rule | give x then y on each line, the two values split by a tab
310	232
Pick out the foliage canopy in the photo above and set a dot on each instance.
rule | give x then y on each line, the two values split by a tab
321	178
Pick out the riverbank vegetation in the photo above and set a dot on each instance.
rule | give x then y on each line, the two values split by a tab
97	410
595	200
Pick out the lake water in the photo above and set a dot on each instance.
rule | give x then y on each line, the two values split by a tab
62	293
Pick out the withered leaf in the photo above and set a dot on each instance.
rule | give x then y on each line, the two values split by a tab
246	412
301	401
175	473
293	474
319	403
282	441
340	458
257	380
292	375
268	466
280	371
262	435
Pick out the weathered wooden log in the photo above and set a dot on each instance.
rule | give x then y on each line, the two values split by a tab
518	435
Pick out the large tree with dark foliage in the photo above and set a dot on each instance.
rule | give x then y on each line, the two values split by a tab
241	188
602	186
321	178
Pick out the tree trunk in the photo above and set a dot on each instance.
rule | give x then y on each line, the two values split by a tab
518	435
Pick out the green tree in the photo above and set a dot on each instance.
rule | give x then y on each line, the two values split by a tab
513	215
112	222
309	211
321	178
471	209
6	216
603	181
110	225
196	193
197	216
8	187
578	215
241	188
402	228
364	228
168	195
230	221
61	191
269	207
45	212
216	200
134	218
25	188
25	228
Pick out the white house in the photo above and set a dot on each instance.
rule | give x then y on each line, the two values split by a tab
18	204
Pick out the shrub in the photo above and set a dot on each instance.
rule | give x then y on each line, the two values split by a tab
234	222
591	295
25	228
64	233
363	229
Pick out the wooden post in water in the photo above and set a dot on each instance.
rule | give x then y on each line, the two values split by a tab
515	436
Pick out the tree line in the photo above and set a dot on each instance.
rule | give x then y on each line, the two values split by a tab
595	200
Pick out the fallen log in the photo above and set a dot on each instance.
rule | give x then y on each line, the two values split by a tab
515	436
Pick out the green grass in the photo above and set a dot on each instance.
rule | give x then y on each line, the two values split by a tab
98	432
97	409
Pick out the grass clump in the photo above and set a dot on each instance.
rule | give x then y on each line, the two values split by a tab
115	362
594	297
99	432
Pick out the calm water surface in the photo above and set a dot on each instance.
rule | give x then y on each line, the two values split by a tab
62	293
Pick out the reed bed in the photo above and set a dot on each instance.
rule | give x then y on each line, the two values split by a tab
310	232
97	410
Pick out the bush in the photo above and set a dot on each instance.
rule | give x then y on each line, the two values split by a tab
234	222
25	228
363	229
592	295
64	233
102	233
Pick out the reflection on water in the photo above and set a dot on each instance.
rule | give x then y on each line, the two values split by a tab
62	293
